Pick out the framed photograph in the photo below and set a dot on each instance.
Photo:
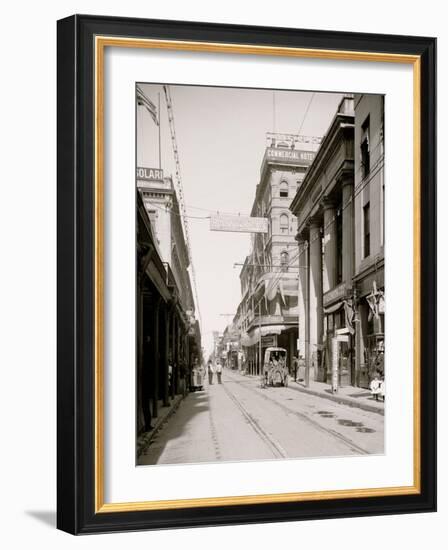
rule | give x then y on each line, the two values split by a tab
246	255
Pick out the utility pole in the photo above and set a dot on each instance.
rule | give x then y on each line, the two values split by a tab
305	290
180	194
160	139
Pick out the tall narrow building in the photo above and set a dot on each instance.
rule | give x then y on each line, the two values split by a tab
268	312
369	210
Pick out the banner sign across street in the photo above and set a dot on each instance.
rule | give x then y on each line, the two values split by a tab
240	224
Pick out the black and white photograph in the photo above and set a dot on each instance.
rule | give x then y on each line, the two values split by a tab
205	207
260	292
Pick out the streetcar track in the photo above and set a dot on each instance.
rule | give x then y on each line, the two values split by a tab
275	447
214	436
345	440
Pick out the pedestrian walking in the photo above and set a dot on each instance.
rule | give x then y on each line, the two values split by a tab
382	392
300	369
170	377
295	368
219	371
210	371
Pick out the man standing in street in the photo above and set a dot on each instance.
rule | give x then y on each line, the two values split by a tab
210	371
219	371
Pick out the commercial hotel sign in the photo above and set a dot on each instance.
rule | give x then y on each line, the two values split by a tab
289	155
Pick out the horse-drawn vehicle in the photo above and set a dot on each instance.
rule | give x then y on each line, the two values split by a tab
275	367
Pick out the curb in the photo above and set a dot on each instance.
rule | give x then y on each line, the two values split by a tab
341	400
145	439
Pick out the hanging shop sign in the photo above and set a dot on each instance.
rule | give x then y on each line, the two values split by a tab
238	224
269	341
336	293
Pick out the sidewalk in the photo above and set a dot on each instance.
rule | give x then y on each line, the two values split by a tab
347	395
164	413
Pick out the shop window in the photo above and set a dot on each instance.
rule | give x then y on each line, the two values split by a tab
284	223
284	191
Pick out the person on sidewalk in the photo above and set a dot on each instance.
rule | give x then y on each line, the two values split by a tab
300	369
210	371
382	391
295	368
170	377
219	371
375	386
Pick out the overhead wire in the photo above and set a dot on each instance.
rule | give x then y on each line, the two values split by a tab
179	186
306	112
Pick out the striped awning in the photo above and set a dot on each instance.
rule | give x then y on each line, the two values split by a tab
286	287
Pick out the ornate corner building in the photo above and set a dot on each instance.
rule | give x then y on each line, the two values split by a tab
268	312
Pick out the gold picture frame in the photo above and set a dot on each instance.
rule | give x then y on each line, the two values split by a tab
75	35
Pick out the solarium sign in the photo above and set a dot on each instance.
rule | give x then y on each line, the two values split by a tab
149	174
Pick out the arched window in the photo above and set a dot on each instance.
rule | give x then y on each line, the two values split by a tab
284	223
284	189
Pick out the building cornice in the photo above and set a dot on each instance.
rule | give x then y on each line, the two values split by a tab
342	129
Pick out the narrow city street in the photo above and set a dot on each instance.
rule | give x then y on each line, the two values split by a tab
238	420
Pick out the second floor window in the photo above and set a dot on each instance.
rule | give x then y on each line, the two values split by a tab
284	189
365	148
284	223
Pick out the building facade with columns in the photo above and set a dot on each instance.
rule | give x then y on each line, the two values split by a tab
171	323
168	334
268	312
369	216
324	209
153	297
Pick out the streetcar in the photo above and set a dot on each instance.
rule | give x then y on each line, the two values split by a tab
232	359
275	367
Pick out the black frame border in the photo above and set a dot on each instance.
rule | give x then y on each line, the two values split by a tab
76	263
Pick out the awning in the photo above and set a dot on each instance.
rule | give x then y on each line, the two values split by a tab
246	340
267	330
289	287
286	287
271	289
333	308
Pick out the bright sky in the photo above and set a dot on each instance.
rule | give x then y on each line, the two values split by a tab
221	137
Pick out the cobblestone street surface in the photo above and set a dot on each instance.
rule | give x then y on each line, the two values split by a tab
238	420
